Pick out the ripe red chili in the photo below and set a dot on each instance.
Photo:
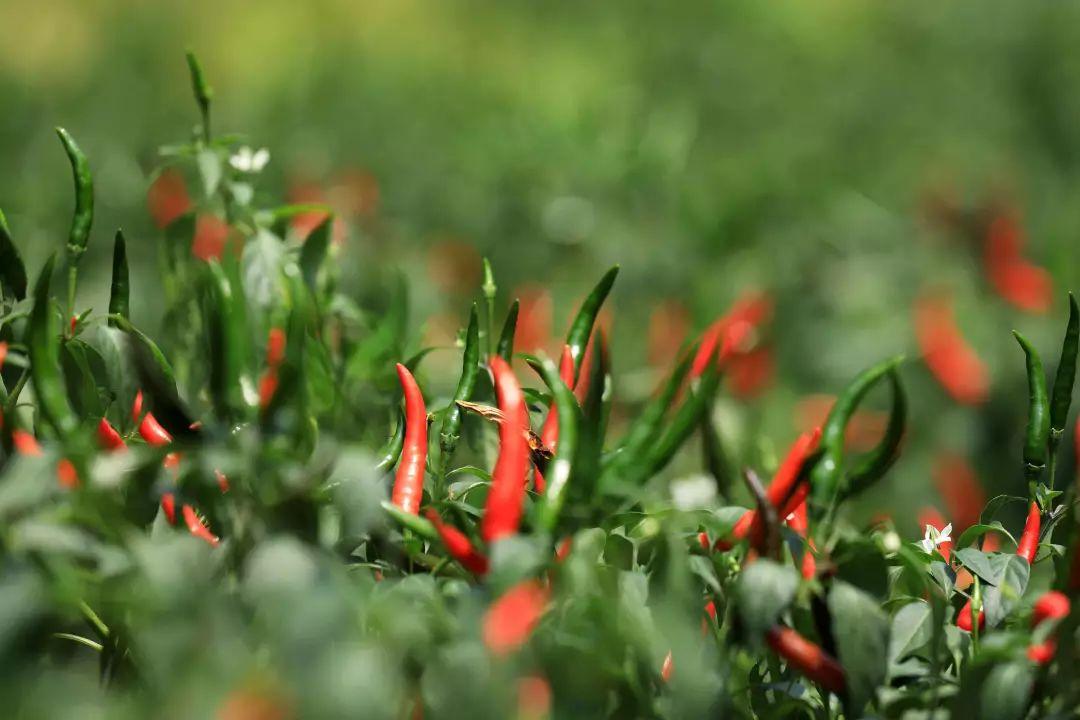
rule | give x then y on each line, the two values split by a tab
136	406
152	432
1029	539
3	354
1051	606
409	481
196	527
510	620
808	658
66	474
108	438
168	506
459	545
549	435
25	443
502	514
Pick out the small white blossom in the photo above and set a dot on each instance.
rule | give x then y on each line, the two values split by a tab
250	161
933	537
890	541
691	493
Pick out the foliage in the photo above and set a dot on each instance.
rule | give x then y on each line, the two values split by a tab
232	554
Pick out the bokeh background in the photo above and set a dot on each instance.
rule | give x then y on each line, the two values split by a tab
888	180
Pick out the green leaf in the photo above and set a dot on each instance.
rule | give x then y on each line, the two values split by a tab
1001	598
861	630
12	270
210	170
313	253
912	628
762	592
975	532
977	562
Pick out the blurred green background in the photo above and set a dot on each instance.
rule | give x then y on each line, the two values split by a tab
805	150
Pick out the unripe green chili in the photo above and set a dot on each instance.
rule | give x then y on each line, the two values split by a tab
391	451
559	469
489	289
1038	426
470	371
119	291
83	217
580	330
882	457
224	312
505	348
1063	383
202	91
826	476
44	351
12	270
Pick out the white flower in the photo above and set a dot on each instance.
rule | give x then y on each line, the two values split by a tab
693	492
890	541
933	537
250	161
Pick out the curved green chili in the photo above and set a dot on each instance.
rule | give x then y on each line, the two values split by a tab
1038	426
825	478
202	91
878	461
44	352
391	451
119	291
597	404
505	348
12	270
224	314
470	371
580	330
1066	372
83	217
559	469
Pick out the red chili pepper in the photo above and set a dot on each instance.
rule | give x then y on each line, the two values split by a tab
502	514
948	356
168	506
136	406
168	198
667	668
26	444
1029	539
275	347
1051	606
1026	548
108	438
564	547
152	432
808	658
731	331
409	481
1015	279
510	620
66	474
782	493
797	521
534	698
3	354
549	435
458	545
268	385
196	527
222	481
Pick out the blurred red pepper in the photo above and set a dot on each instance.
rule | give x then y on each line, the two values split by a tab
808	658
167	198
1050	606
1019	282
510	620
948	356
459	545
108	438
211	237
959	487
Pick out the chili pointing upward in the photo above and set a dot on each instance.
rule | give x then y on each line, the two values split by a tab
409	481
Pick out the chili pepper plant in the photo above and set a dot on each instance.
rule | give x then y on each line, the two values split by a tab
271	511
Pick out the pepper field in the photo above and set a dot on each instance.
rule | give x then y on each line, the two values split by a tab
439	360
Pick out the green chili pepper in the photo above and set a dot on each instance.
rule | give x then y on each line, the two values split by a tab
646	425
597	404
44	358
203	93
83	217
470	371
227	328
1038	427
580	330
878	461
12	270
391	451
417	524
505	348
560	468
682	425
827	473
119	292
1066	372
